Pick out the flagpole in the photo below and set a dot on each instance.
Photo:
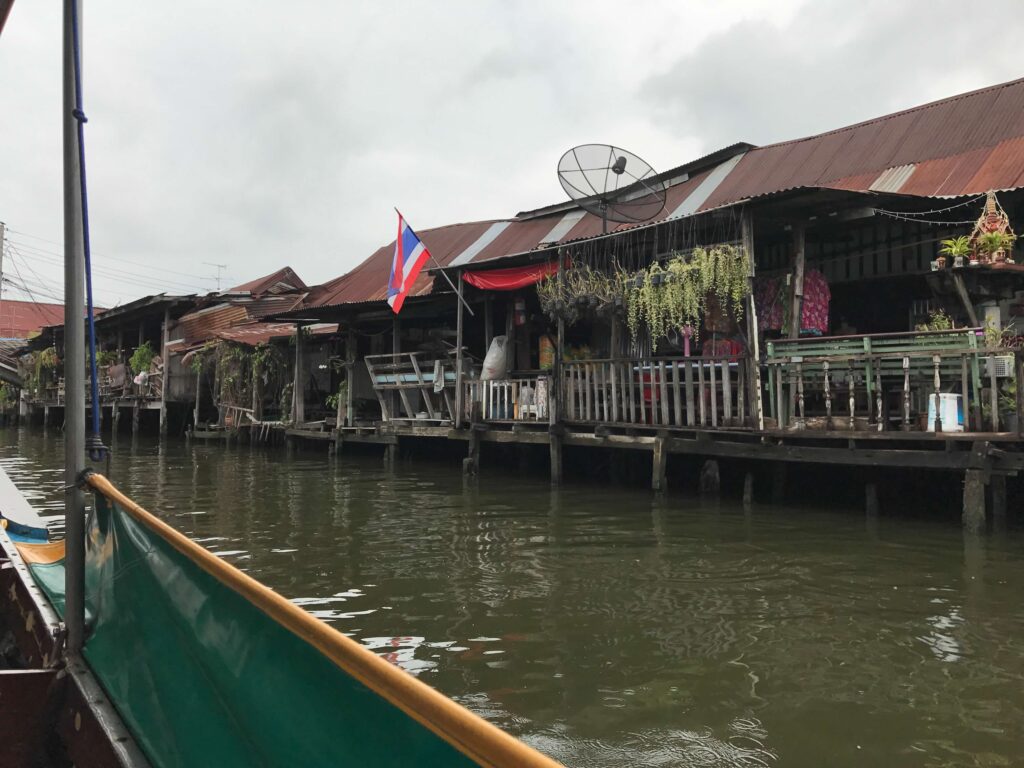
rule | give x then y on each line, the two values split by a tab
443	273
457	292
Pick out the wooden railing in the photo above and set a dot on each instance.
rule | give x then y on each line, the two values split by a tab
666	392
522	397
879	391
420	381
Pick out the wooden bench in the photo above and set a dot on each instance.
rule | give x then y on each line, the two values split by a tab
433	377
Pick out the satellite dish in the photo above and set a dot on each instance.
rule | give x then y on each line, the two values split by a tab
611	183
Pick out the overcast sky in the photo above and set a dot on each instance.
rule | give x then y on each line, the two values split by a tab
259	134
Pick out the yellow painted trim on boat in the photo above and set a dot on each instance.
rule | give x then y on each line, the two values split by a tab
481	741
40	554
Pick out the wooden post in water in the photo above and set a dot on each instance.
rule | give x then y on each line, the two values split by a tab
350	365
756	404
471	464
136	413
459	379
659	477
797	289
298	396
974	501
871	499
710	479
557	393
748	490
165	337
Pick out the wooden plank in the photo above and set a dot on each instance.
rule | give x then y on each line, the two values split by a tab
663	392
714	394
700	394
604	373
652	387
691	413
726	393
677	400
993	392
424	389
613	370
827	390
964	391
633	398
587	375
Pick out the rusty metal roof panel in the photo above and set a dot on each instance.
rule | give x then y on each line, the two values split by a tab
281	281
957	126
204	323
369	280
1002	169
263	333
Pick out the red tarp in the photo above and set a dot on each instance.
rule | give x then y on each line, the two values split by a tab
511	278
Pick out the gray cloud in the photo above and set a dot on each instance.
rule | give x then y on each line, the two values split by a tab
258	134
834	63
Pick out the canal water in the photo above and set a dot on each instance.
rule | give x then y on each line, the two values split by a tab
607	627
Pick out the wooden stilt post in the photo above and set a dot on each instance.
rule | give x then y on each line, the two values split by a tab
555	449
754	348
659	479
298	382
974	501
471	464
748	490
710	479
164	340
350	365
115	414
199	392
136	413
459	383
797	289
871	499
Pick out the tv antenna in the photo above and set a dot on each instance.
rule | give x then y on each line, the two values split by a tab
612	183
220	269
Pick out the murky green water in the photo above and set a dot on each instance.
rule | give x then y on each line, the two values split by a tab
608	628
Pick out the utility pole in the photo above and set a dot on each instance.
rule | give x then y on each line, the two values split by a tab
3	242
220	268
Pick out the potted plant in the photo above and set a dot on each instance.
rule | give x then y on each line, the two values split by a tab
955	248
993	245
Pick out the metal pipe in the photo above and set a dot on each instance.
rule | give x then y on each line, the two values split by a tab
74	351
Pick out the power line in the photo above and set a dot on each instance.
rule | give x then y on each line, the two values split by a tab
104	256
153	283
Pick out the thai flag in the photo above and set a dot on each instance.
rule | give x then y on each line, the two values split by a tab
410	256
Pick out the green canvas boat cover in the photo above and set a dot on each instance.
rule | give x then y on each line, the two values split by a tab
208	667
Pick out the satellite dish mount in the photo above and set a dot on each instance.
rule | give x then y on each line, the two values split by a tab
612	183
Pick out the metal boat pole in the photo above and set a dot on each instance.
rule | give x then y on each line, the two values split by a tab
74	351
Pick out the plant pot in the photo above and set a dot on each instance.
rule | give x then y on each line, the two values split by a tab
939	263
999	256
656	279
958	262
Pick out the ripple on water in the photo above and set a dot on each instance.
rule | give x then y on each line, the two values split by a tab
609	629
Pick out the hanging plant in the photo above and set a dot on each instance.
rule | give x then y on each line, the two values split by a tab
664	298
142	357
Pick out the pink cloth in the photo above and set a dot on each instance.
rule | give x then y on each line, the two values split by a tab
814	311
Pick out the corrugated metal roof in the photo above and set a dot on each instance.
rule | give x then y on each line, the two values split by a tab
204	323
962	145
974	139
262	333
368	281
281	281
21	319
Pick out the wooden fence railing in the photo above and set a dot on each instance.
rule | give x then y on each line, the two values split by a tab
522	397
667	392
911	390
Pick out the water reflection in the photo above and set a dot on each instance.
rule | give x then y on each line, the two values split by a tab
612	628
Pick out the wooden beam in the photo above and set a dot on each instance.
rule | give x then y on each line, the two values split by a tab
965	299
459	386
753	332
797	289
